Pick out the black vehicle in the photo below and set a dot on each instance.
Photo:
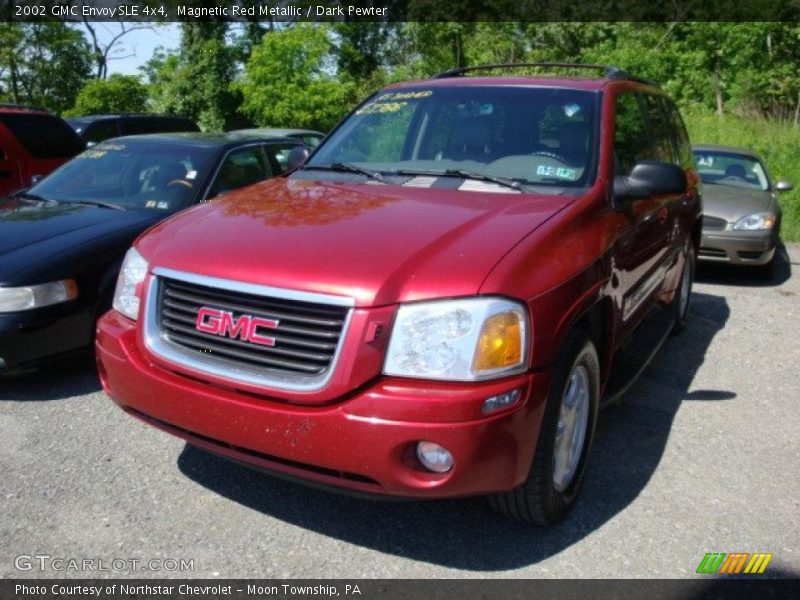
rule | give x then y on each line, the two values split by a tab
63	240
96	128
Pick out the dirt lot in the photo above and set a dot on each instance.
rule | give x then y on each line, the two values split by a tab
702	456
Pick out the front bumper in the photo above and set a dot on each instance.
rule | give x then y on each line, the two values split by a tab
363	442
32	337
738	247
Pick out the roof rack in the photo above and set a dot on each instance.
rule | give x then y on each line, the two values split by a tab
611	72
22	106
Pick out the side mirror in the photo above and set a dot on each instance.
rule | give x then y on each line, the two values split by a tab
783	186
297	156
650	178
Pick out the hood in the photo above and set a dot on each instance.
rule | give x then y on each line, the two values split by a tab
378	244
732	203
33	232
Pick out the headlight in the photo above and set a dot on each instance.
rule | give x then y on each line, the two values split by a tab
132	274
763	220
14	299
463	340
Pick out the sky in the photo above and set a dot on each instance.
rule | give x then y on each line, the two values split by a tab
136	47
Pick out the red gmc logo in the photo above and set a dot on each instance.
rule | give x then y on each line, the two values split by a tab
246	327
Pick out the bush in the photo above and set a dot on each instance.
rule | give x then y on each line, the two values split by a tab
288	81
117	94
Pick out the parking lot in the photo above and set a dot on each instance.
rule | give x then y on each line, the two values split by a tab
701	456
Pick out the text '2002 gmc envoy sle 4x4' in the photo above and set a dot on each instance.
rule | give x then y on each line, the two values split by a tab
435	304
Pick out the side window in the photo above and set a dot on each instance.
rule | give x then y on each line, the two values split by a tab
241	167
631	139
311	140
663	147
679	131
278	156
100	131
139	126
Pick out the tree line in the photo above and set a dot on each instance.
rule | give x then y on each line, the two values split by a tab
310	74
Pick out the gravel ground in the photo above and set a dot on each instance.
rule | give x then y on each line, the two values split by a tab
702	456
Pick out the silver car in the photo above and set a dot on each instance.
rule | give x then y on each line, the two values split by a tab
741	215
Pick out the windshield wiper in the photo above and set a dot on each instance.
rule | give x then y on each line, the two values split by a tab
349	168
474	175
95	203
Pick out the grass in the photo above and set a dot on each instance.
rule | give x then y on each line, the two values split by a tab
777	142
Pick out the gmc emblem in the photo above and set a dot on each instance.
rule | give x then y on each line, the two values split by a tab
224	324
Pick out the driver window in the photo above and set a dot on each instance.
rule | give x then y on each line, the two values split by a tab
631	139
241	167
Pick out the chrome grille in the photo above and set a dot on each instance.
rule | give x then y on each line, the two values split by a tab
304	342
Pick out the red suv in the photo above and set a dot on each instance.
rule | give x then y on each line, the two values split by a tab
33	142
435	304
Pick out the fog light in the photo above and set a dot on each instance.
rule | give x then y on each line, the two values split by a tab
500	401
434	458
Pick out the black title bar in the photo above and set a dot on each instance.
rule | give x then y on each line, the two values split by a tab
400	10
401	589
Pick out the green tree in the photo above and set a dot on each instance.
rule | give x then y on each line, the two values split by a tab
196	81
290	80
44	64
117	94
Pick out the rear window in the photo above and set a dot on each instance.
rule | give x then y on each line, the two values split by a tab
142	125
43	136
100	131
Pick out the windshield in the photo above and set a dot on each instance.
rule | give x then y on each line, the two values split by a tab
542	136
134	174
730	168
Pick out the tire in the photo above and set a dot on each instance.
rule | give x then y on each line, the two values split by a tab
550	490
683	295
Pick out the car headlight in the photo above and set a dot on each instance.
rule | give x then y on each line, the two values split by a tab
131	276
765	220
15	299
461	340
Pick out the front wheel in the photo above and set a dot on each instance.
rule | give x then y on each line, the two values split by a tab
683	295
565	439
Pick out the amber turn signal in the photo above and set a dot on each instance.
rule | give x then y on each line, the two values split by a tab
500	343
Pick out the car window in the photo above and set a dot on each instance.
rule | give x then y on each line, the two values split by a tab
278	154
381	136
241	167
311	140
531	135
43	136
680	135
137	126
143	125
730	168
662	140
133	174
631	138
178	125
101	130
